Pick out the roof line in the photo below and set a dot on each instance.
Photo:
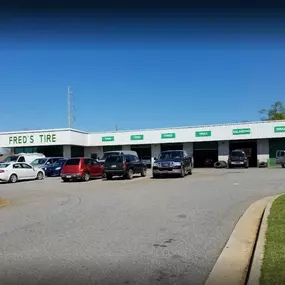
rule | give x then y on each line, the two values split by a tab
137	130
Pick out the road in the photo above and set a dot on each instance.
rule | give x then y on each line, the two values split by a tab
143	231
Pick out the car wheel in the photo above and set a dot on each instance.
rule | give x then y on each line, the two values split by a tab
283	165
143	173
130	174
155	176
40	175
182	172
13	178
109	176
65	180
190	171
86	176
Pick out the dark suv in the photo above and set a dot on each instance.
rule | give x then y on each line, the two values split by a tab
237	158
124	165
172	162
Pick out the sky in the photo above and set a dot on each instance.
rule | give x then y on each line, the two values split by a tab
138	75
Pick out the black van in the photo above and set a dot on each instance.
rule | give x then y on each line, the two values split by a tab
238	158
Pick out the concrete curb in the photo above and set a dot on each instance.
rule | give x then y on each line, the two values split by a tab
255	272
233	263
3	202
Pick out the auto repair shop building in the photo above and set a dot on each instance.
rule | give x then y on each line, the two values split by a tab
260	140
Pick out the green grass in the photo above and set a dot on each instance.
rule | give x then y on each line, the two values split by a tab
273	266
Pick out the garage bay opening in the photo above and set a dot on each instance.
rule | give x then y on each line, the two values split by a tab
205	154
249	147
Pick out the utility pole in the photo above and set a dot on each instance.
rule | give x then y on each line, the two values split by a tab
69	107
116	128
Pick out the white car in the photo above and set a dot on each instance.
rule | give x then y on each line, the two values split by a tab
15	171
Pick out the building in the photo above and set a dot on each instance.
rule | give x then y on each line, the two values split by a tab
260	139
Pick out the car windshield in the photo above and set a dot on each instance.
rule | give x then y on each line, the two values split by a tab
237	153
109	154
3	165
59	162
39	161
115	158
10	158
170	155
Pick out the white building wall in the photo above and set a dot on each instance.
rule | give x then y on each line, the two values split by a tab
223	150
67	151
263	150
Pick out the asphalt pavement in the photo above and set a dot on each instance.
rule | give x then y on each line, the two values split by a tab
142	231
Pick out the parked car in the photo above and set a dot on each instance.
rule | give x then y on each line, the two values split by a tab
119	152
22	157
55	168
238	158
125	165
16	171
280	157
45	162
174	162
81	168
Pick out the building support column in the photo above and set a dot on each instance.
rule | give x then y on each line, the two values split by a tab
262	150
126	147
188	147
67	151
223	150
155	151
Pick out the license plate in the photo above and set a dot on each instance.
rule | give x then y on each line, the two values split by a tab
68	176
237	162
113	166
165	165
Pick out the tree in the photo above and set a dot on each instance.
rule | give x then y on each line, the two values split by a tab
275	112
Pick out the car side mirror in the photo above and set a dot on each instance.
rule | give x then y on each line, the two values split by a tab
155	158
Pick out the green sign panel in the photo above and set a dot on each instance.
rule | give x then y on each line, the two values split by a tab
245	131
30	139
168	136
203	133
136	137
279	129
108	139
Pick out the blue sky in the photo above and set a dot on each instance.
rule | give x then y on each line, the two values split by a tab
138	76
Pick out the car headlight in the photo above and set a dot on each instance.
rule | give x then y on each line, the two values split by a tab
155	164
58	168
176	163
44	168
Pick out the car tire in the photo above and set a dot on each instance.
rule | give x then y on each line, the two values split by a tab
190	171
13	178
109	176
65	180
40	175
182	174
86	177
283	165
130	174
143	173
155	176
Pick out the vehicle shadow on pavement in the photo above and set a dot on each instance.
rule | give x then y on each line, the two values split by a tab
120	178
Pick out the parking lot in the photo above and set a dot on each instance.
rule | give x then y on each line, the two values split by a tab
140	231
